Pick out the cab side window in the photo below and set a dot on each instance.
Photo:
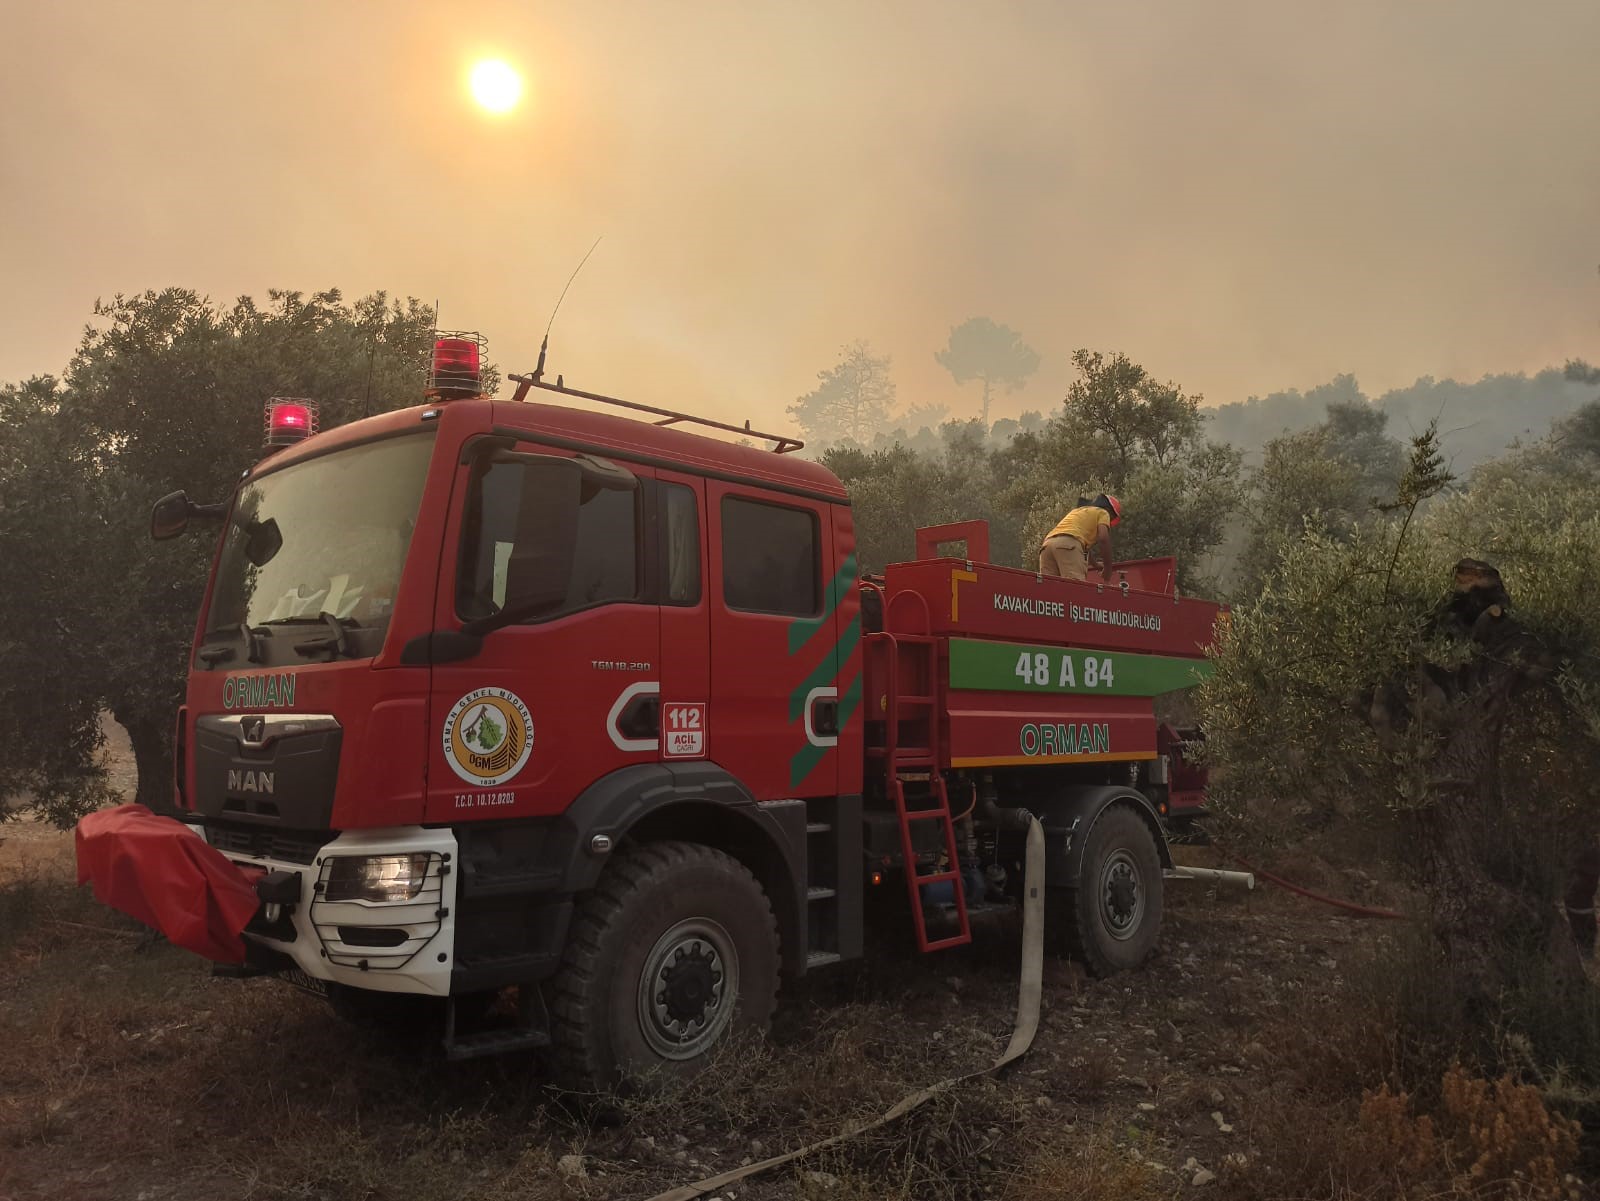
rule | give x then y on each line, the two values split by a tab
680	545
771	558
540	537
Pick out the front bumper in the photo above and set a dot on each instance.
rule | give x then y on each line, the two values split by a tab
393	946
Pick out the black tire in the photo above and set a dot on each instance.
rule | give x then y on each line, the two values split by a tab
1110	917
694	921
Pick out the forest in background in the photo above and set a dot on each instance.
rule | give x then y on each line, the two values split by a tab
164	392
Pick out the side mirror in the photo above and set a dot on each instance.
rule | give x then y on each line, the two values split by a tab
170	516
263	541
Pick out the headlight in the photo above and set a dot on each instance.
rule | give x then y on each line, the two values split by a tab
377	877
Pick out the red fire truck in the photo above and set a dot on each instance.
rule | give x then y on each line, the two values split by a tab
495	695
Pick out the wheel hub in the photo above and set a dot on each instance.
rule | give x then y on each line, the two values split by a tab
690	984
1121	897
687	988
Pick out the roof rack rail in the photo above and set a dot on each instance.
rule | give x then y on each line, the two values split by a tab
783	442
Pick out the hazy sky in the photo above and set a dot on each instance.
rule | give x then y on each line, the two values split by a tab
1242	196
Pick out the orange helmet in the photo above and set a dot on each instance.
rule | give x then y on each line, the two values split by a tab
1114	505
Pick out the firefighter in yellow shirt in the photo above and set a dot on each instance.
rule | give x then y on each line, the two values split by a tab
1084	531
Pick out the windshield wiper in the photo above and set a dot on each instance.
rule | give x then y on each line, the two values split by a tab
212	655
337	643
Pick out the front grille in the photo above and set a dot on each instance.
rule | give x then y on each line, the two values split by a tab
294	846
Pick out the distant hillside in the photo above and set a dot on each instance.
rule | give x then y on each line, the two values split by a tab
1478	421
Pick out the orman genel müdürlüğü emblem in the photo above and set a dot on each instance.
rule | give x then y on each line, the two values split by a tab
488	736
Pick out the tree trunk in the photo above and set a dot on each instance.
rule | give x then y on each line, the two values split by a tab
152	756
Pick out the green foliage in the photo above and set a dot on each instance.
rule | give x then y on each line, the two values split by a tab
894	490
1282	710
995	355
1581	371
852	400
165	391
47	486
1484	786
1342	615
1577	438
1134	417
1357	432
1118	430
1322	480
1425	475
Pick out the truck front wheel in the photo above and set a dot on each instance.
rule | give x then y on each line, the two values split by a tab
675	950
1110	916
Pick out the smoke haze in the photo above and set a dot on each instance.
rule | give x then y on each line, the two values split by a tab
1245	197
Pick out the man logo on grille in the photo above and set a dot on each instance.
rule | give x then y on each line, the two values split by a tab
488	736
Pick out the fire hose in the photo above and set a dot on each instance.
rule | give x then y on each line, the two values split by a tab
1335	902
1022	1032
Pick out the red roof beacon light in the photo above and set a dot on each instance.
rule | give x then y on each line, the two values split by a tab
457	365
289	420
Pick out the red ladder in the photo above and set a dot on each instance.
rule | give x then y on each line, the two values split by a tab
922	761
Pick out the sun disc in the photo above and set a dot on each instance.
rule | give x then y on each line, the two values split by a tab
495	86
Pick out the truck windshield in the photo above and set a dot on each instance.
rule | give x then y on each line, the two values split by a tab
339	528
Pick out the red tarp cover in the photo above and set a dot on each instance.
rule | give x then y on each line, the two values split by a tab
157	870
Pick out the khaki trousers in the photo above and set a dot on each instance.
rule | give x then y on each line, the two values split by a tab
1064	556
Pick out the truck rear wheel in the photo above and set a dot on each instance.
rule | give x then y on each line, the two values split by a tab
1110	918
675	950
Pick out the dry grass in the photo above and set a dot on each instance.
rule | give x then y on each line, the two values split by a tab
126	1071
1484	1136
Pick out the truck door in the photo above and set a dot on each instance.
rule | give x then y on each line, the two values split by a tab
774	650
566	691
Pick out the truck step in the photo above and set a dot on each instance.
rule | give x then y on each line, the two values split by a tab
820	894
818	827
494	1042
816	959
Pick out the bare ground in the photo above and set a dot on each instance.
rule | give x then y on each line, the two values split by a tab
1233	1065
1240	1051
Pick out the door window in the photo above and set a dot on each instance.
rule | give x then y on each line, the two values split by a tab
541	535
771	559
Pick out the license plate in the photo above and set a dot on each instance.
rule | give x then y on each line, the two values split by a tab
305	983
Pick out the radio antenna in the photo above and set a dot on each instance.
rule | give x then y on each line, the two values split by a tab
544	345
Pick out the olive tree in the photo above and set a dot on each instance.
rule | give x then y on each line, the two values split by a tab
165	391
1393	669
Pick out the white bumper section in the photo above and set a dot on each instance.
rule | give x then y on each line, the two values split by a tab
393	946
